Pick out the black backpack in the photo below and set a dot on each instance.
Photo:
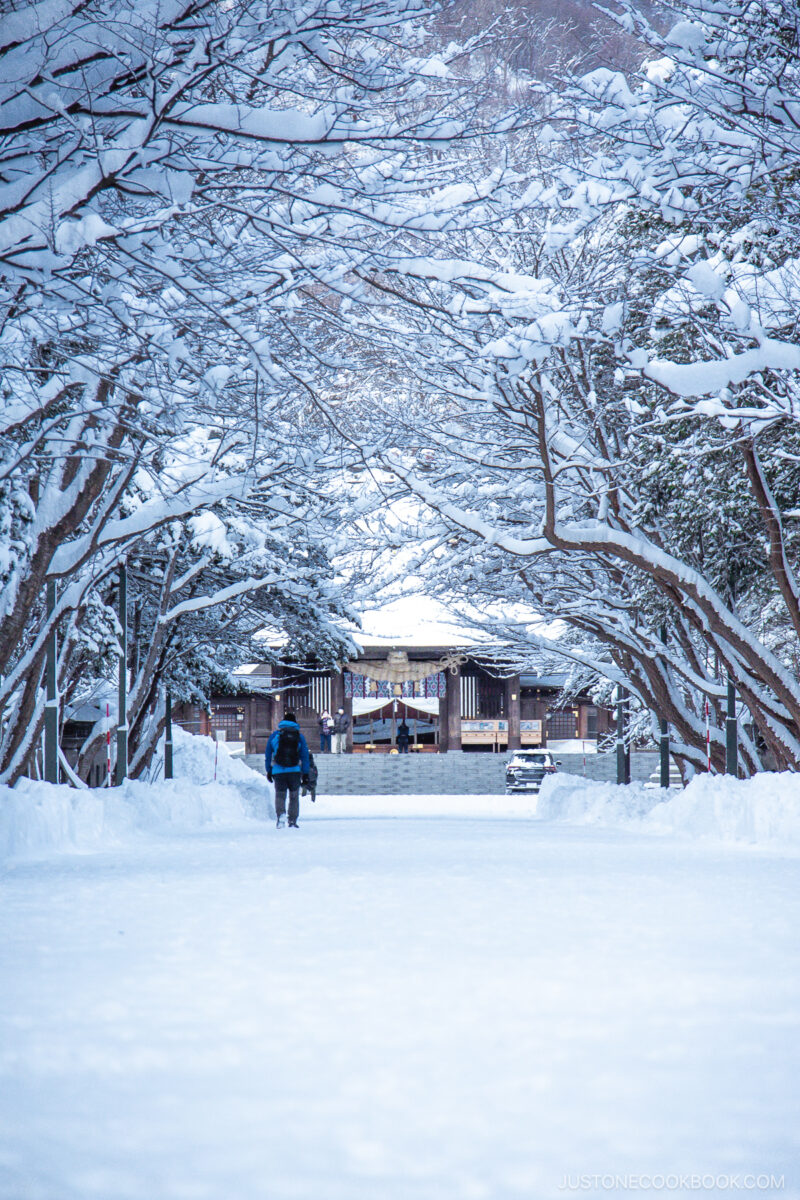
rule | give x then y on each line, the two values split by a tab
287	751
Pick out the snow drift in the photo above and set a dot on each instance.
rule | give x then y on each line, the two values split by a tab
39	818
764	809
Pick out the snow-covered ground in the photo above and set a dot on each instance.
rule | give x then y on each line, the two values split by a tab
407	998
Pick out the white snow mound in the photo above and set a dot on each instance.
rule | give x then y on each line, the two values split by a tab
196	757
764	809
37	819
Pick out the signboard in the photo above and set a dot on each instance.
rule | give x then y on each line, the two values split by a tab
483	733
495	733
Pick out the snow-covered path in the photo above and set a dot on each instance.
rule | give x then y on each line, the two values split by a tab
374	1008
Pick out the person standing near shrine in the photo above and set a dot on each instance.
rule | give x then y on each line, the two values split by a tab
325	732
403	737
341	724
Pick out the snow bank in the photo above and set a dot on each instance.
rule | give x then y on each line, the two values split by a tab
764	810
37	819
199	758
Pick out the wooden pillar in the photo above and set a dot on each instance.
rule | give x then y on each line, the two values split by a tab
513	711
444	731
277	699
337	691
338	701
453	701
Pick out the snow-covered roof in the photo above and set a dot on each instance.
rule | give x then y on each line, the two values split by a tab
527	679
91	706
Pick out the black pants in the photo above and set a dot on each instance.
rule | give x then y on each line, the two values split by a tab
287	781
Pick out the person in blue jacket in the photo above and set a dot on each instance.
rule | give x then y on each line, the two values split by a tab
288	765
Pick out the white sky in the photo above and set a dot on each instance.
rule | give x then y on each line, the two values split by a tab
414	620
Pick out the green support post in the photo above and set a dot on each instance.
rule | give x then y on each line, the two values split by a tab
664	741
51	707
168	739
122	701
731	733
623	754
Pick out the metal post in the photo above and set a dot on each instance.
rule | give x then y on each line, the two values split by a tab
731	733
168	739
708	735
623	755
51	707
664	741
664	752
122	676
108	745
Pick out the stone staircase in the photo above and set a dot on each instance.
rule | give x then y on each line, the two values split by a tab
444	774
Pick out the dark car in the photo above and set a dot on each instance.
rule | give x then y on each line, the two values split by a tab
527	768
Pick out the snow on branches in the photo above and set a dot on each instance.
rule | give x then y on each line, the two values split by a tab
616	443
184	190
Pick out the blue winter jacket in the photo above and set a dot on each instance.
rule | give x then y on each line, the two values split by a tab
272	746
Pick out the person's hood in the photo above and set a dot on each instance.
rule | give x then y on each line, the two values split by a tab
288	725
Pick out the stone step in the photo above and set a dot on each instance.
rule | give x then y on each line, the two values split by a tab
446	774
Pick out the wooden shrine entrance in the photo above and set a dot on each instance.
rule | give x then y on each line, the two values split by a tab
375	732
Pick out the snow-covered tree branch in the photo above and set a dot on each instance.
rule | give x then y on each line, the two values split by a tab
185	192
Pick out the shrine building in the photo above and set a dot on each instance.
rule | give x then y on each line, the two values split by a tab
449	700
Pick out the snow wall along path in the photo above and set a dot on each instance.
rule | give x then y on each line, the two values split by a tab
762	810
39	818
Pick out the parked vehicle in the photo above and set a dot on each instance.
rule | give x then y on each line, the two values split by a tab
527	768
